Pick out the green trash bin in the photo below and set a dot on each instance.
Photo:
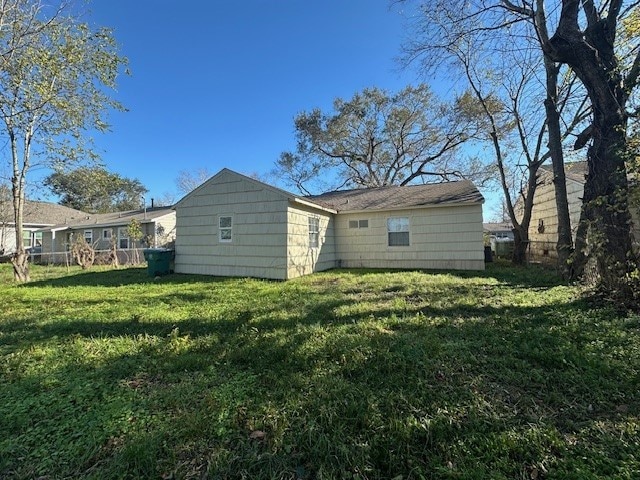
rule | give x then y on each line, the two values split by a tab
158	261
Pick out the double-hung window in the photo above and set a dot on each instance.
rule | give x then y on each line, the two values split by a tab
225	228
26	239
123	238
398	231
314	232
88	236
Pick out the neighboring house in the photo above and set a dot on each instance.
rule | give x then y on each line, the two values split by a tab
105	230
37	215
502	230
233	225
543	229
500	237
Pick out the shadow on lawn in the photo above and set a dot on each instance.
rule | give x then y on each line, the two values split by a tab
118	278
397	397
528	277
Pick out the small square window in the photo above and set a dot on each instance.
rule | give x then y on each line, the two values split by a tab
358	223
106	234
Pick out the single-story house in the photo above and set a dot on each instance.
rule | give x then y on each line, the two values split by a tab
105	230
543	228
233	225
37	215
499	236
502	230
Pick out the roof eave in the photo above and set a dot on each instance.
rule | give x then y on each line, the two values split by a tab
309	204
412	207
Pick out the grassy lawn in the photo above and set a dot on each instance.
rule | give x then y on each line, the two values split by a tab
346	374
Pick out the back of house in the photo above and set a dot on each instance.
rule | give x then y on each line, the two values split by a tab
233	225
431	226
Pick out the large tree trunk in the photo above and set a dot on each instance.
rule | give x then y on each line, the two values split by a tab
520	245
564	245
20	263
606	206
590	54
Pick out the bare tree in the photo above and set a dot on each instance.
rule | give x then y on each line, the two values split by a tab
379	138
189	180
501	61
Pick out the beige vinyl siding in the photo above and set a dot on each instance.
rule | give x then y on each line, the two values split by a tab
543	244
440	238
165	230
302	258
258	247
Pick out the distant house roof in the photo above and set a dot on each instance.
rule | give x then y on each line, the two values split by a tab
497	227
40	214
115	218
395	197
575	171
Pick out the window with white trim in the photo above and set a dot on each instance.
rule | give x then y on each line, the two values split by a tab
26	238
225	228
106	234
123	238
398	231
314	232
88	236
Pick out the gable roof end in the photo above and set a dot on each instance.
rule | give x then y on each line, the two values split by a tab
285	195
575	171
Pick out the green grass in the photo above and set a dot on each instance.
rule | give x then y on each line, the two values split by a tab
505	374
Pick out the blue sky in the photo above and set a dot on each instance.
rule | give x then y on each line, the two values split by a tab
217	84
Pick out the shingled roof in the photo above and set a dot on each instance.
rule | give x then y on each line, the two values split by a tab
575	171
115	218
395	197
40	213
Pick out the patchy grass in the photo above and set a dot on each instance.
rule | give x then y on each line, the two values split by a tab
346	374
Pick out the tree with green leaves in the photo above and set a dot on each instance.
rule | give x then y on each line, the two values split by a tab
55	76
379	138
96	190
135	233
